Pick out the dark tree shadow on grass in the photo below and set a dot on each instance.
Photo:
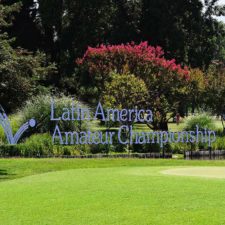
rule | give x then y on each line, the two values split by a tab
4	175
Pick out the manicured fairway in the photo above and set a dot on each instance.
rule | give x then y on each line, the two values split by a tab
132	192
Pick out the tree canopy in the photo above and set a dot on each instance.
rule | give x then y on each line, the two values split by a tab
187	30
74	46
22	73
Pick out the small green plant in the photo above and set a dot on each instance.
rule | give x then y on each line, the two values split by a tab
37	145
219	144
39	108
203	121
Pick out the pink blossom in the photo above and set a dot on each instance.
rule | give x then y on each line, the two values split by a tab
110	56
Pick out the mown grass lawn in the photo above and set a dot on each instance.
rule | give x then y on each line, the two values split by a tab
107	191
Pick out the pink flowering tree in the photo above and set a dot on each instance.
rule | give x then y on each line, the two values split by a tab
166	81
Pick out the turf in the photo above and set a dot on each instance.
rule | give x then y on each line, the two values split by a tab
209	172
105	192
16	168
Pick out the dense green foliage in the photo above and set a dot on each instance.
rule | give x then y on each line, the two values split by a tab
125	91
45	48
215	90
41	108
64	28
22	73
166	81
40	145
203	121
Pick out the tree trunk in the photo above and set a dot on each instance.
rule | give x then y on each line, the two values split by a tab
163	125
222	120
193	108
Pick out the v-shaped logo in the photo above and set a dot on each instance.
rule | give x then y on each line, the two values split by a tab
4	122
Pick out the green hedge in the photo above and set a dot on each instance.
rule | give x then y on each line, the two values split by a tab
39	145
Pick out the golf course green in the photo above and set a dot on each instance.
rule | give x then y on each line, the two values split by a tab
110	192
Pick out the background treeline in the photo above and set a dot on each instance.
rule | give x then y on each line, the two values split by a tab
62	30
44	52
186	30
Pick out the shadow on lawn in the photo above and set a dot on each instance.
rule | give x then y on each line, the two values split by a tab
4	175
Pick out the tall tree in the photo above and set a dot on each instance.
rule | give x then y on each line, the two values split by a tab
126	22
70	26
63	29
25	25
183	28
215	90
21	72
165	80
